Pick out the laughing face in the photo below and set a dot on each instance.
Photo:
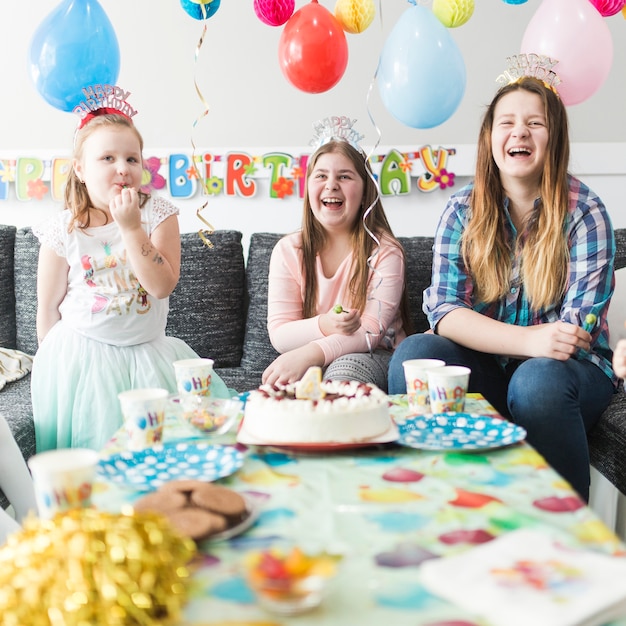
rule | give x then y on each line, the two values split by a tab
519	137
335	192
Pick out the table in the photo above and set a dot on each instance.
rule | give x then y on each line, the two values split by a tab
386	508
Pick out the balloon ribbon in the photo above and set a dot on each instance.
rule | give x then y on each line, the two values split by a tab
204	233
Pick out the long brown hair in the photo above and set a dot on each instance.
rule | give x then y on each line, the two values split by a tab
545	255
363	245
77	198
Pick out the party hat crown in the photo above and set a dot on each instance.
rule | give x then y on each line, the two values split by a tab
538	66
336	128
103	99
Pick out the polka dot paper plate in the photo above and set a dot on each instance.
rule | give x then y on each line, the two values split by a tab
458	431
146	470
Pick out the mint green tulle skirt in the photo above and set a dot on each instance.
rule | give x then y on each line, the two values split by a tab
75	382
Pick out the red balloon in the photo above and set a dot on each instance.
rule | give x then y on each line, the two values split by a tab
313	51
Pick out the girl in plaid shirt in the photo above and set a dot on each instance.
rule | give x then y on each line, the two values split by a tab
521	282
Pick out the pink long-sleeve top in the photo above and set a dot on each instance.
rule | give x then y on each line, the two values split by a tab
381	317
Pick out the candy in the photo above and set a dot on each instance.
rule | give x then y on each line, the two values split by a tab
590	319
338	308
289	576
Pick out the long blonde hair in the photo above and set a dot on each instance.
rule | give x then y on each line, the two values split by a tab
363	245
77	198
542	244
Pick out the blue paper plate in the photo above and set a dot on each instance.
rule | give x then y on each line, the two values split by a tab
458	431
147	470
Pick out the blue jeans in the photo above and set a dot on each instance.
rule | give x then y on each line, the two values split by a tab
557	402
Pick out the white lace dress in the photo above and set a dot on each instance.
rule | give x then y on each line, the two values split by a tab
111	336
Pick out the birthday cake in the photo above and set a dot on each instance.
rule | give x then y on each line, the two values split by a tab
312	411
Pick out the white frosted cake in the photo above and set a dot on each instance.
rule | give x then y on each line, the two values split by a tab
344	412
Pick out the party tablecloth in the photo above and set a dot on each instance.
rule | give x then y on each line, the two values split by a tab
386	509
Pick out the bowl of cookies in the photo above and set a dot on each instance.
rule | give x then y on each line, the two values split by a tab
206	414
287	580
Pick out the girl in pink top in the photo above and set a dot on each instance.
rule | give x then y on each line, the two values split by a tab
336	291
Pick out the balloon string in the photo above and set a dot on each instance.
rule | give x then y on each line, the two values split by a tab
371	258
204	233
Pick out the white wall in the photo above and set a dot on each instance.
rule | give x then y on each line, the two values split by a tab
253	108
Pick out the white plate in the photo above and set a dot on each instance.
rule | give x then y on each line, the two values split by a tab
147	470
391	434
253	506
458	431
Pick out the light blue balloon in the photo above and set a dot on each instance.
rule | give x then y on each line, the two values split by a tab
74	47
421	73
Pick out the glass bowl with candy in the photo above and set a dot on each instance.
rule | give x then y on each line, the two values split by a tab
288	580
205	414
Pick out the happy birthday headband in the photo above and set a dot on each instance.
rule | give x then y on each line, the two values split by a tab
103	100
336	128
537	66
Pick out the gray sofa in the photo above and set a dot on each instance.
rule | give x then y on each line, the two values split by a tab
219	308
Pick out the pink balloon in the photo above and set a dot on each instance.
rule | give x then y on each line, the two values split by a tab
608	7
575	34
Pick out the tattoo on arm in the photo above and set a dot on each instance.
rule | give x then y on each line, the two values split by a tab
147	249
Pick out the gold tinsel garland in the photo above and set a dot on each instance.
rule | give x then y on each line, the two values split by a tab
92	568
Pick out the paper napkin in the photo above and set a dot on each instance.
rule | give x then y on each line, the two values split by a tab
526	577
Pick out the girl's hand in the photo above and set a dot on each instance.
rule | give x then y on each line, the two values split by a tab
619	359
291	366
557	340
125	209
343	323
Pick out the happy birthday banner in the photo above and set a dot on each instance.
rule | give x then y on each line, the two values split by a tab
234	173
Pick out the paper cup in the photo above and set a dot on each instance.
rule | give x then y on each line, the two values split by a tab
416	376
447	387
144	416
194	376
63	479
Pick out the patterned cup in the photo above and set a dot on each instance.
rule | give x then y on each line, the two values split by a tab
63	479
194	376
416	375
144	416
448	388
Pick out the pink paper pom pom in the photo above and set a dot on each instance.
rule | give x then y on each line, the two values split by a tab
608	7
274	12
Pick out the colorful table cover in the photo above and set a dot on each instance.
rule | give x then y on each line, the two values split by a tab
386	509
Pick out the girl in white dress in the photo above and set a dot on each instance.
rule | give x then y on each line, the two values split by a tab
107	266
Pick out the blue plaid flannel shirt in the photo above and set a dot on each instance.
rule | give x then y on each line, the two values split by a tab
590	283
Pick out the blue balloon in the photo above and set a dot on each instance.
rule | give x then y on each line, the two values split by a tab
74	47
421	73
196	9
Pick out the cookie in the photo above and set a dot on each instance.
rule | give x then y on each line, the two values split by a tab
218	499
196	523
184	486
160	502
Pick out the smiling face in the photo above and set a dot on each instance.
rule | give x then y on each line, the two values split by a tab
335	192
519	137
110	159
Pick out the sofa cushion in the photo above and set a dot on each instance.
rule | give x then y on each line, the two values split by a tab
7	287
419	253
258	352
26	258
206	308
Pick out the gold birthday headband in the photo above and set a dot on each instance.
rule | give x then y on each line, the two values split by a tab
537	66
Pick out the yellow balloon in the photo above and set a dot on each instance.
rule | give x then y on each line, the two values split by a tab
355	15
453	13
